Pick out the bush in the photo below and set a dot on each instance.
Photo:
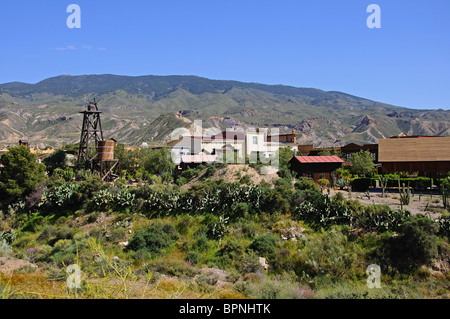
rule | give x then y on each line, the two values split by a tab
328	252
415	245
20	175
304	183
153	239
5	249
264	245
285	173
321	211
181	181
381	218
232	253
193	257
246	179
55	161
444	225
323	183
190	173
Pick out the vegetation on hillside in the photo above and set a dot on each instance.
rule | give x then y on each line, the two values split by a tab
148	108
150	237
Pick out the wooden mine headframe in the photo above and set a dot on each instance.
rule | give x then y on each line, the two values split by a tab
91	141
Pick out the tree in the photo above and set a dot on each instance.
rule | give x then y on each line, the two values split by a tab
158	161
54	161
282	157
127	158
362	163
331	152
20	175
323	183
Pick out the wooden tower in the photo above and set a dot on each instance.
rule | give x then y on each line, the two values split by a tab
91	134
95	153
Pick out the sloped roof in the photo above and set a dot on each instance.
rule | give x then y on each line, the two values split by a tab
436	149
319	159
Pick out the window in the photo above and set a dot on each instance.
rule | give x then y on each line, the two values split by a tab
349	157
255	140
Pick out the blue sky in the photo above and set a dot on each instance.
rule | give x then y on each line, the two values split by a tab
324	44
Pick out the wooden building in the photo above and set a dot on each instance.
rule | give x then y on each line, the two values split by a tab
428	155
316	167
351	148
290	138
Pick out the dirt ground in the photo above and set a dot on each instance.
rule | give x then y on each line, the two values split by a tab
431	206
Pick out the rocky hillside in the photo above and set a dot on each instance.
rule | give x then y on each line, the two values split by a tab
149	108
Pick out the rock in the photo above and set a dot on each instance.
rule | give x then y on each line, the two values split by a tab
292	233
9	264
253	277
263	263
123	244
220	275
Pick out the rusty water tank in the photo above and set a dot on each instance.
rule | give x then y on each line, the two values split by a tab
105	150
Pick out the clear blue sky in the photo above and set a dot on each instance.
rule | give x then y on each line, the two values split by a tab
324	44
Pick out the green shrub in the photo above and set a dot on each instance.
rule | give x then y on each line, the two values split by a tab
190	173
181	181
444	225
328	252
285	173
415	245
381	218
232	253
5	249
304	183
33	222
193	257
264	245
117	235
67	195
246	179
202	243
153	239
321	211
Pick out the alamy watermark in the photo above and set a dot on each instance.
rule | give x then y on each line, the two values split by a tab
73	277
374	276
74	19
232	146
374	19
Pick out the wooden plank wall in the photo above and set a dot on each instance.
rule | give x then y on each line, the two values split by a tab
428	149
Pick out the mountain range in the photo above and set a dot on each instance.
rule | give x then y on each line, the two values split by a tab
148	108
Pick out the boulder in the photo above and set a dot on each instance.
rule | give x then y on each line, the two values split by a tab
218	274
263	263
9	264
123	244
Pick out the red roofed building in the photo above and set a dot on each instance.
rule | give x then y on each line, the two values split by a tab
316	167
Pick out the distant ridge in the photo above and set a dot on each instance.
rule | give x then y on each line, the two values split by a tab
47	112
